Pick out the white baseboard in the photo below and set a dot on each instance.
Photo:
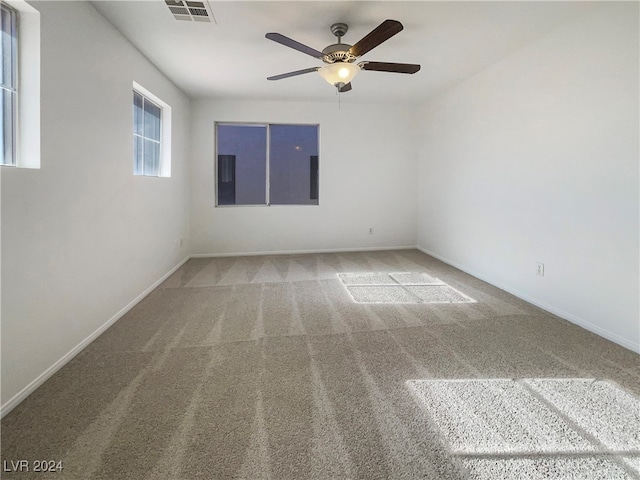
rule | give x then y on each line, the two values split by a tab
633	346
44	376
300	252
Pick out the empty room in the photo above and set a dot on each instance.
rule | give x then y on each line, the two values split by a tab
320	240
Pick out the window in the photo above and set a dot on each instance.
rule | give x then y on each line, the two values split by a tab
20	84
147	142
266	164
8	73
151	134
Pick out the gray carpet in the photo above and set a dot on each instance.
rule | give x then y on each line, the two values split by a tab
266	367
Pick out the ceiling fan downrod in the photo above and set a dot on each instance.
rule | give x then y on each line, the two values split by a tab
339	30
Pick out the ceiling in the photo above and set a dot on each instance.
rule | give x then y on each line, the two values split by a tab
231	58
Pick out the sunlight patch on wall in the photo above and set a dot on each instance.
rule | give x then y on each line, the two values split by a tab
536	428
400	287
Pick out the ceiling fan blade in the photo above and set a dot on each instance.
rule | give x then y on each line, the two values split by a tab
288	42
347	87
390	67
293	74
381	33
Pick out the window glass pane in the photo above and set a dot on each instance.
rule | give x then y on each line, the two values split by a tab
151	120
7	22
137	155
137	113
8	134
247	144
2	137
293	165
7	79
151	158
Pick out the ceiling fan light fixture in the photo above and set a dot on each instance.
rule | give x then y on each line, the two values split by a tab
340	57
339	74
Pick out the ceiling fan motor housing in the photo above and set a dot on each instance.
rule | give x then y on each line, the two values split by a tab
338	52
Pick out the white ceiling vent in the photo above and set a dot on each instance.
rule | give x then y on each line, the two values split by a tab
196	11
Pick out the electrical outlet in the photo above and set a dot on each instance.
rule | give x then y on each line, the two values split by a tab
540	270
370	230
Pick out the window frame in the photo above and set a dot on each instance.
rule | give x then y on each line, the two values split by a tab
164	160
267	126
12	88
27	109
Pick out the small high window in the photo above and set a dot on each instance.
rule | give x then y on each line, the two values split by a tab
8	83
151	134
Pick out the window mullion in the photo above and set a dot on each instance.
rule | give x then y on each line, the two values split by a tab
267	169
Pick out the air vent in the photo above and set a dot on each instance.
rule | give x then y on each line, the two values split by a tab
179	10
190	11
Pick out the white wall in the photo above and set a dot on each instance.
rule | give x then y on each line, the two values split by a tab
536	160
82	237
367	169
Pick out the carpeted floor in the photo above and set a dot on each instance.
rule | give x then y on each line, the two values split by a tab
265	367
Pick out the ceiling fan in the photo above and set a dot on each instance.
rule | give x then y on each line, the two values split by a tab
340	57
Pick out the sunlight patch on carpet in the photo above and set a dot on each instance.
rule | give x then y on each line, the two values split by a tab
400	287
536	428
